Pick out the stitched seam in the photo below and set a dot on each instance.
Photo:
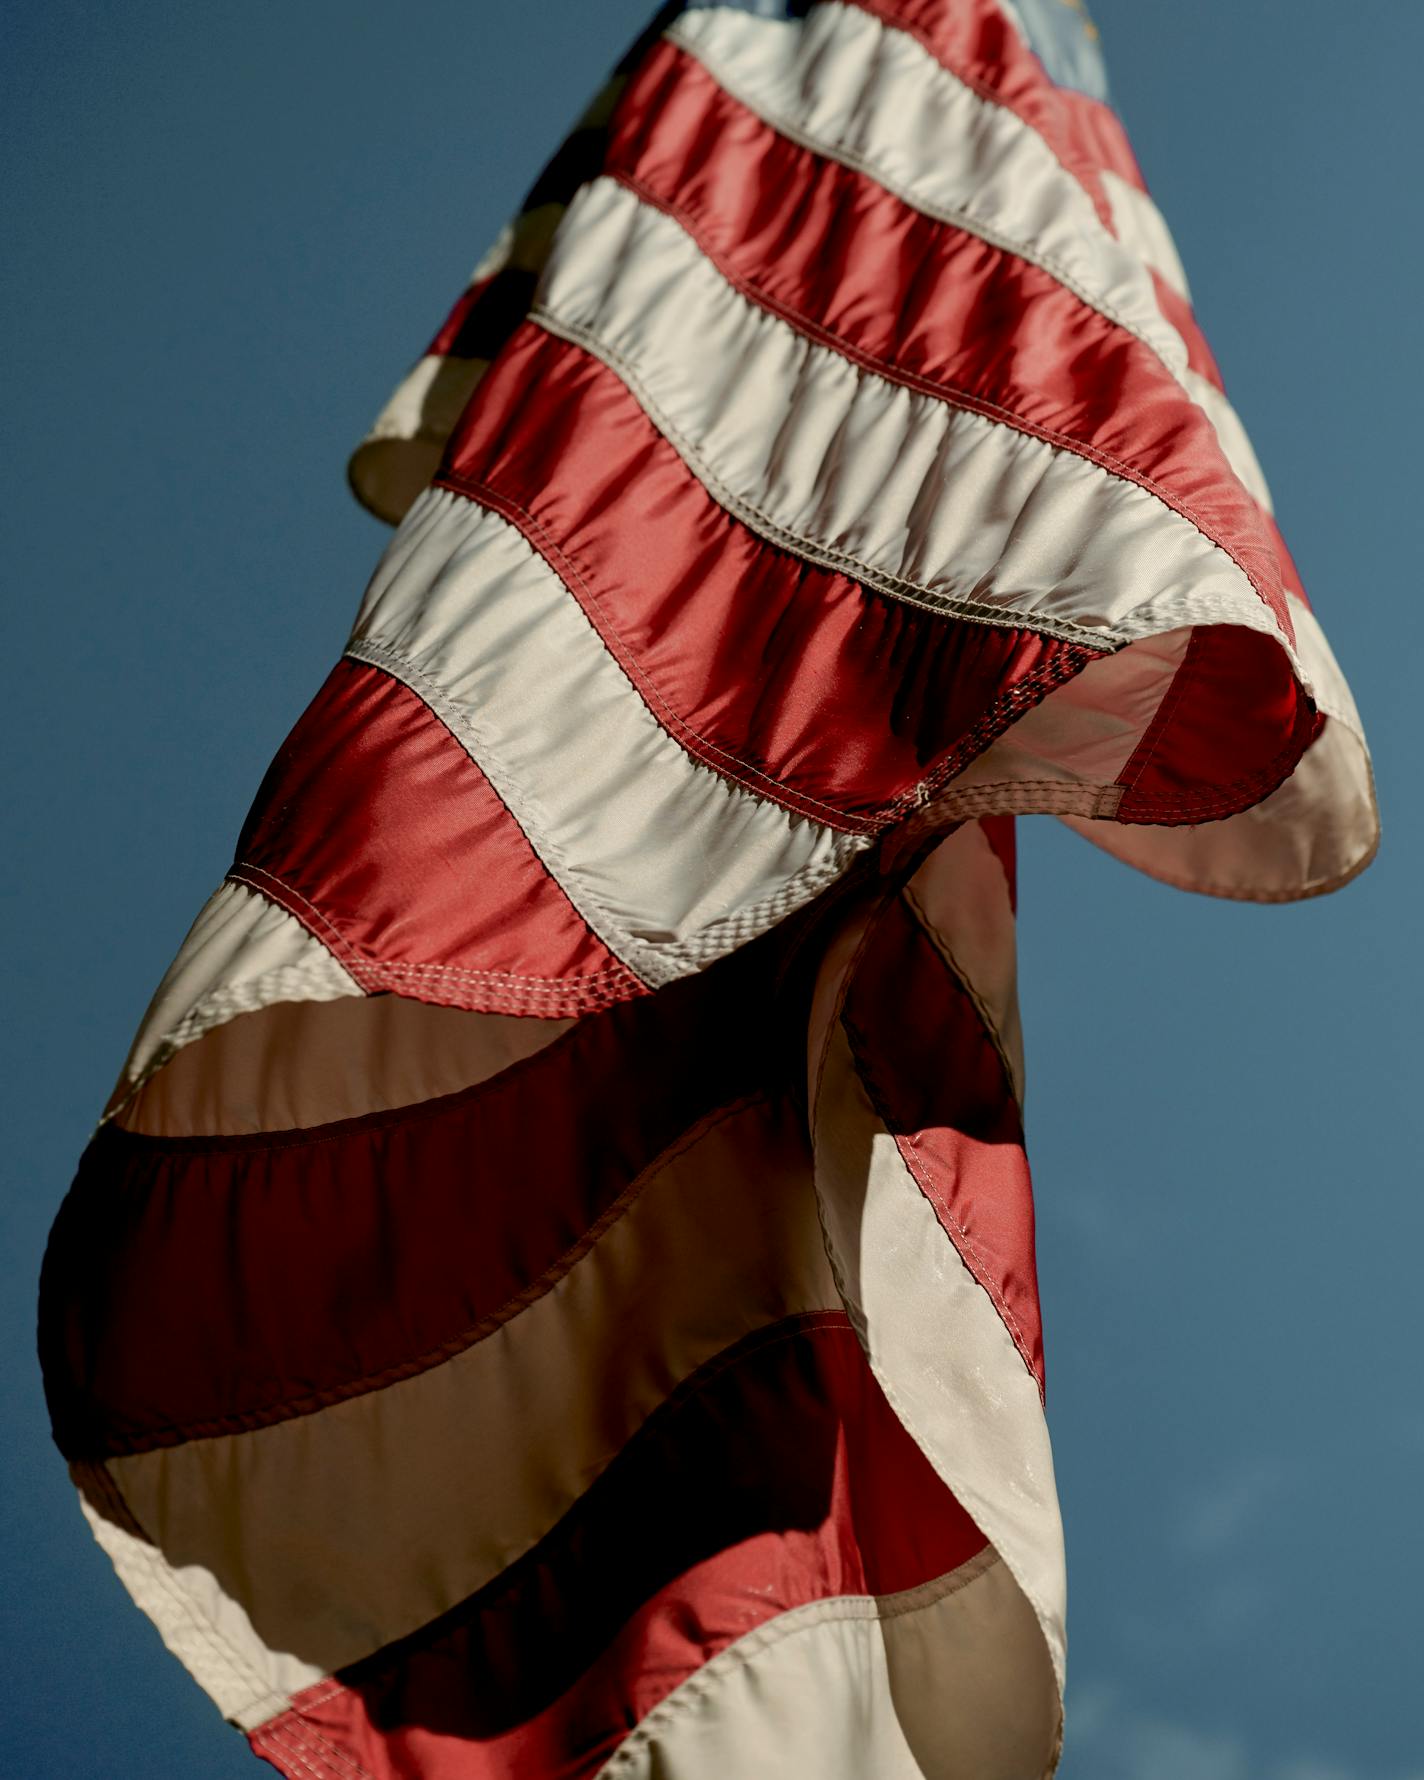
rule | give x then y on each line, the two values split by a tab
1003	713
436	1107
216	1007
743	1651
915	1163
672	959
549	853
857	1316
981	1272
318	1694
290	1409
1186	670
362	957
560	561
951	394
1173	809
799	1325
1081	169
751	515
290	1742
626	659
363	965
1028	797
361	962
957	215
352	956
329	1750
1006	709
942	948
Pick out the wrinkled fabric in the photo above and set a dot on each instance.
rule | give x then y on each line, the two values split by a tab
553	1293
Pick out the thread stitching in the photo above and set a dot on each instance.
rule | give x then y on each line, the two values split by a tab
292	1408
957	215
694	224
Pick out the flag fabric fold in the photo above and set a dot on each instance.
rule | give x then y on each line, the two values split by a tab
553	1291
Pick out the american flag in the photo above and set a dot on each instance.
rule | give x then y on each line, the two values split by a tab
553	1292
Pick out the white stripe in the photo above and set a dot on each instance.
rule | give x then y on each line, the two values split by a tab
944	1682
924	501
242	953
846	86
1231	435
203	1627
402	451
1332	692
669	862
304	1063
1142	229
342	1529
933	1336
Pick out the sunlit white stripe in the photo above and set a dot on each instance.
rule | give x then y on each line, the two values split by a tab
1231	436
242	953
342	1529
848	87
936	1340
668	861
926	502
1143	230
845	85
938	1683
932	1334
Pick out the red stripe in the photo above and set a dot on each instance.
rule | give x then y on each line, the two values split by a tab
1233	725
975	41
778	1476
455	321
924	303
782	676
488	313
1002	836
375	828
1179	313
199	1286
938	1084
489	309
1290	574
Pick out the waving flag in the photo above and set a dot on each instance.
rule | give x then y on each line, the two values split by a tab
553	1292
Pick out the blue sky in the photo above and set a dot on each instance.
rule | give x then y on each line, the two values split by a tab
227	231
